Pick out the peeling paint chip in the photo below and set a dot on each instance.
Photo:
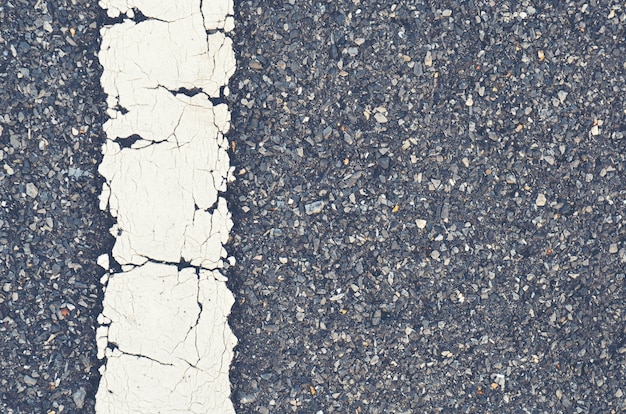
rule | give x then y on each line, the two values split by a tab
163	333
166	331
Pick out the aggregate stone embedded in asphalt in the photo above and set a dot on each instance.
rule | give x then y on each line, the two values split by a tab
469	255
434	284
51	231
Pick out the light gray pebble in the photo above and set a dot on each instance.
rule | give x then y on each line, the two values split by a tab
31	190
315	207
79	397
380	118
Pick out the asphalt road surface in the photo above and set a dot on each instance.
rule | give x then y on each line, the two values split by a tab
428	207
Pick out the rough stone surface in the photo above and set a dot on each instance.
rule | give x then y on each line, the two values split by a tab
431	283
347	310
51	231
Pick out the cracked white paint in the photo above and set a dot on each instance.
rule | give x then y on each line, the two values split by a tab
218	14
176	369
178	57
163	329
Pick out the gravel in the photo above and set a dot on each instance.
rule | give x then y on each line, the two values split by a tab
430	281
470	253
51	230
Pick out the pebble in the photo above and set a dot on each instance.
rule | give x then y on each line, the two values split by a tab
595	130
246	398
380	118
79	397
384	161
613	248
541	200
8	169
541	55
31	190
510	179
28	380
428	60
421	224
314	208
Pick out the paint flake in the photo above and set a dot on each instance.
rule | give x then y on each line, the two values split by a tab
217	14
154	311
155	53
165	189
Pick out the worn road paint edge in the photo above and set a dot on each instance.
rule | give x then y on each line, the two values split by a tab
163	333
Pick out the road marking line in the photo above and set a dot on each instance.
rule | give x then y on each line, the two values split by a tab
163	329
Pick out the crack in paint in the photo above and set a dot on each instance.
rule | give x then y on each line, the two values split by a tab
163	334
114	347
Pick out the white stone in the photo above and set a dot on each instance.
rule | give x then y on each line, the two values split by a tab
541	200
314	208
380	118
428	60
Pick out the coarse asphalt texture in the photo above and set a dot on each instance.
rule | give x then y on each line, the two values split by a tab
468	251
469	257
51	230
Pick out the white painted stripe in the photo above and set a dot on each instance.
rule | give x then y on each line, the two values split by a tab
163	329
